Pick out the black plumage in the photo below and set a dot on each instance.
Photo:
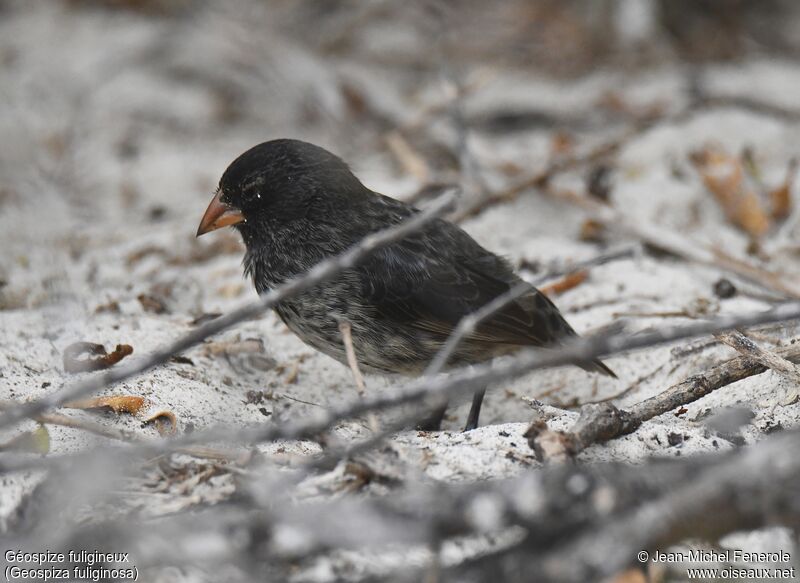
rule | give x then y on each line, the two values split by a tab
296	204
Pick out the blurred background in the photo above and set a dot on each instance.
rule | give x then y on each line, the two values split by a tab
572	127
136	106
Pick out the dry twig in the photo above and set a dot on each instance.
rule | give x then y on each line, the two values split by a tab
579	523
768	358
600	422
467	379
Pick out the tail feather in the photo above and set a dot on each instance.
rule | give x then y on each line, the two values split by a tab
598	365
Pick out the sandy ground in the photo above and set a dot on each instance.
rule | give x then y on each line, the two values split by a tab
108	158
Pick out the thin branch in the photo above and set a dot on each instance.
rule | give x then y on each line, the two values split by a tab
581	523
599	529
464	380
124	435
753	489
600	422
770	359
543	177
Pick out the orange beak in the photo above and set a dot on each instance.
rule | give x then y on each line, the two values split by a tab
218	215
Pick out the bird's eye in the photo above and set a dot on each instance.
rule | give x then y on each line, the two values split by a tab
251	190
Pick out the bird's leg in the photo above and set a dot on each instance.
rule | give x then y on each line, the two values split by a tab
475	410
433	422
352	361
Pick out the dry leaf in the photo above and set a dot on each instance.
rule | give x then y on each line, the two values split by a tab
111	306
118	403
291	378
152	304
724	177
36	441
165	421
565	284
781	198
592	231
74	364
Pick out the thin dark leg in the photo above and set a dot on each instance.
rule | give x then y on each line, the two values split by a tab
475	410
434	421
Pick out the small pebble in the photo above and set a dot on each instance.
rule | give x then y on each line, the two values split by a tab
724	289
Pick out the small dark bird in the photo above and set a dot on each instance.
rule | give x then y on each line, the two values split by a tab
296	204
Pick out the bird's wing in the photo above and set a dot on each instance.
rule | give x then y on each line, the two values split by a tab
403	283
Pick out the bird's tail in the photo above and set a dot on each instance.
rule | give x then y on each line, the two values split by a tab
597	365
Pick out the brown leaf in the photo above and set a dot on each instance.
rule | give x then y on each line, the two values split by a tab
565	284
781	197
151	304
592	231
291	378
131	404
74	364
111	306
165	421
750	215
724	177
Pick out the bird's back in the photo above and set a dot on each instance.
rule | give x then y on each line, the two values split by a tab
406	299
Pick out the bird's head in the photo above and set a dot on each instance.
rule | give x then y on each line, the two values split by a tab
277	182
